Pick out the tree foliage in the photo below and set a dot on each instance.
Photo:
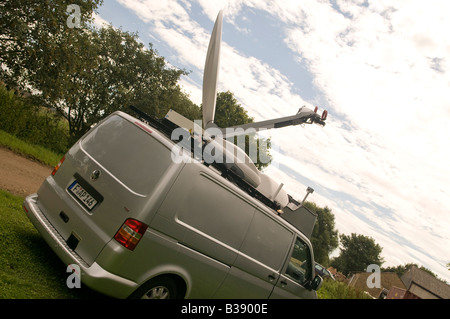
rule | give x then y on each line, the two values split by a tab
35	40
230	113
118	71
22	119
82	72
324	238
357	252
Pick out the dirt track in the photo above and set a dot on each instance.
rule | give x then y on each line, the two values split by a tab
19	175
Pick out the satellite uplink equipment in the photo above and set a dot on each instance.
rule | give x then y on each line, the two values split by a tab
240	169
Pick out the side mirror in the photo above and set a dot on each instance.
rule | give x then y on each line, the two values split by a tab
316	283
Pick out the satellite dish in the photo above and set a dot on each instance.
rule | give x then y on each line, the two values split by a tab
211	73
245	169
209	94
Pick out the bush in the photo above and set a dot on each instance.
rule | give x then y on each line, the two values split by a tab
339	290
35	125
35	152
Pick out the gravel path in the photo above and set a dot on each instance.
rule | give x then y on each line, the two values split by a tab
19	175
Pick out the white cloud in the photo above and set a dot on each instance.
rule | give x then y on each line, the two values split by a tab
386	69
98	20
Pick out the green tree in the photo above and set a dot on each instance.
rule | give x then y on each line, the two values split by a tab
181	103
21	118
34	39
357	252
324	238
116	71
230	113
82	72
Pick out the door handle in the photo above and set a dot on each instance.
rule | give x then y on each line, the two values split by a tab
283	283
271	277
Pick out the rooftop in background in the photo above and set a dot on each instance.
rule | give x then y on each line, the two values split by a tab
388	280
424	285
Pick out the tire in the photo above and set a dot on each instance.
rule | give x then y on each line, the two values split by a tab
157	288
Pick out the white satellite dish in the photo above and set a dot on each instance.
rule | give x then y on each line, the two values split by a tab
211	73
210	80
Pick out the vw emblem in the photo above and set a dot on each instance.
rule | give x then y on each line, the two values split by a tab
95	175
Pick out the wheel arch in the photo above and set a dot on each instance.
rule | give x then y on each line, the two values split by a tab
179	281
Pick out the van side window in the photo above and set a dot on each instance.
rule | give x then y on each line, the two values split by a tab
299	267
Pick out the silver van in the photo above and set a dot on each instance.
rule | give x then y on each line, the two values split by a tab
140	225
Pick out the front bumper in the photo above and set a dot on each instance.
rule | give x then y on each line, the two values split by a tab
93	276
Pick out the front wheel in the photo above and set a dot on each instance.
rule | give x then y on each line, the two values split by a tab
158	288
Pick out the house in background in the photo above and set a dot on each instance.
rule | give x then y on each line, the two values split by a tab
395	293
413	284
387	281
421	285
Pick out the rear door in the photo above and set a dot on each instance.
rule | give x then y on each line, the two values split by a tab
119	170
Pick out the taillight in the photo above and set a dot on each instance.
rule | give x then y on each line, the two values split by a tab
58	166
130	233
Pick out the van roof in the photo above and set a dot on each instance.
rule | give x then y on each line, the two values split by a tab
163	132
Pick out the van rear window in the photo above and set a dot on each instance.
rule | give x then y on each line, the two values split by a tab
130	154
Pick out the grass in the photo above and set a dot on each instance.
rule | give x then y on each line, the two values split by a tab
35	152
29	269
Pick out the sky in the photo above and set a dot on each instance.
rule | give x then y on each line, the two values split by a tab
381	69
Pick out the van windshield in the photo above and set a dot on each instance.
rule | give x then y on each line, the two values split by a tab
130	154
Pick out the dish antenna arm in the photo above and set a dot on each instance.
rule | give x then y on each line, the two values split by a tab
303	116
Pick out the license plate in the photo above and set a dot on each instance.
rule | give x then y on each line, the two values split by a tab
82	195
